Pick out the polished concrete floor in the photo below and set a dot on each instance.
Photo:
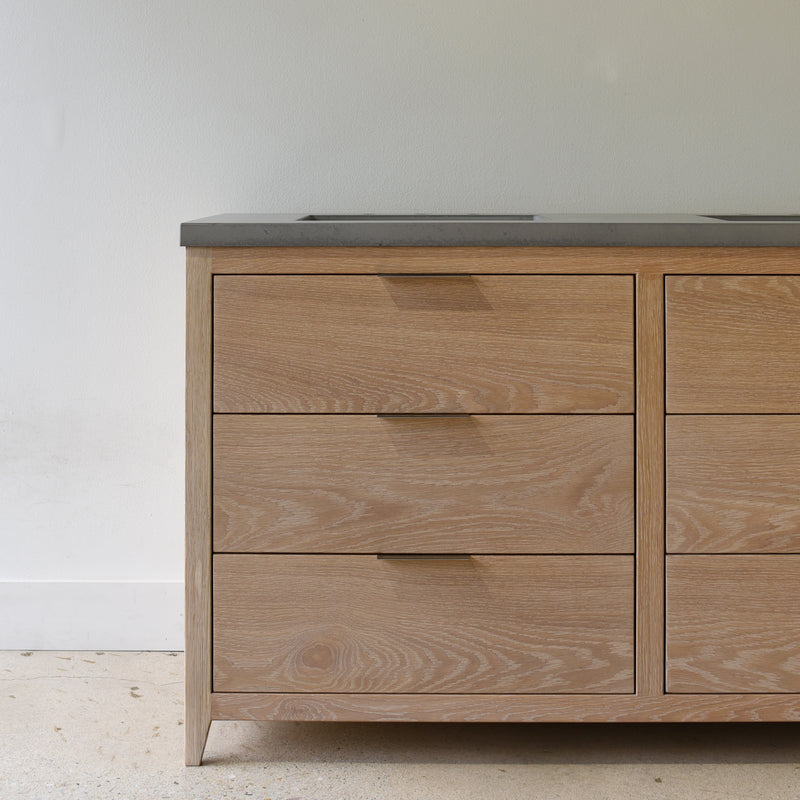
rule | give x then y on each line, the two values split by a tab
110	725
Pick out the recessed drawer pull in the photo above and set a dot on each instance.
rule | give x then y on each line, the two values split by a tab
412	415
424	556
424	275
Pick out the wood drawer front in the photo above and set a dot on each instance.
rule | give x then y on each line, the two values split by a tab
732	344
474	344
489	624
733	623
733	484
486	484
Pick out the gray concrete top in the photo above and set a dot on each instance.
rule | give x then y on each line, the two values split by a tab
560	230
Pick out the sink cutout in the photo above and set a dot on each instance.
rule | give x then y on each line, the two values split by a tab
419	218
755	217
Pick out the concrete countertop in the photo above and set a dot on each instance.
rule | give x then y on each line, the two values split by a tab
560	230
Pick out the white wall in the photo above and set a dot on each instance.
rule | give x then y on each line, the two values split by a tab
118	120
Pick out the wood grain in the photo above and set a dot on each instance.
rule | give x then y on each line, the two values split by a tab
650	485
732	344
482	484
198	502
319	623
506	708
488	260
365	344
732	623
733	484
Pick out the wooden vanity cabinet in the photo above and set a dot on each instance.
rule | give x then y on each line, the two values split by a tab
428	483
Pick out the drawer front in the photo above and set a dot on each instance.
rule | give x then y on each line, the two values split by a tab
487	624
732	623
486	484
732	344
733	484
474	344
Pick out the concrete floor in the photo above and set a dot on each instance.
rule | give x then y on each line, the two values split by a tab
110	725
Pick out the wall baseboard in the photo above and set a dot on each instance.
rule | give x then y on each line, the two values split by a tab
91	615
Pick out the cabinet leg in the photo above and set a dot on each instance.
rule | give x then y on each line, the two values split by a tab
197	725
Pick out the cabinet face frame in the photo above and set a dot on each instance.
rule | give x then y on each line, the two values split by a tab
649	266
199	299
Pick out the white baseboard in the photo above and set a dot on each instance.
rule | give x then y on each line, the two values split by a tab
91	615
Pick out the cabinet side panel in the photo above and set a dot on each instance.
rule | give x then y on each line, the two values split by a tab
198	501
650	485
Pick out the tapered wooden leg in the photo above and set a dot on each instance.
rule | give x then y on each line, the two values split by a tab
198	721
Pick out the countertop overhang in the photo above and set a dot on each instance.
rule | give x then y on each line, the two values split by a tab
552	230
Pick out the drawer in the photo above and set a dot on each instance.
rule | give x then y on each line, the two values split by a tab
732	623
486	624
732	344
473	344
490	484
733	484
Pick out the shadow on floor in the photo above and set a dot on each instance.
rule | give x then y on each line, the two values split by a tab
483	743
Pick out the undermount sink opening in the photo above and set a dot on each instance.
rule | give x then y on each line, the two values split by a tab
754	217
420	218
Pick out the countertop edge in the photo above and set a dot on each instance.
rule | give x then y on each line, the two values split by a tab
706	233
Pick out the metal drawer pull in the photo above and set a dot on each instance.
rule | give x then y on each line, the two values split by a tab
412	415
424	556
